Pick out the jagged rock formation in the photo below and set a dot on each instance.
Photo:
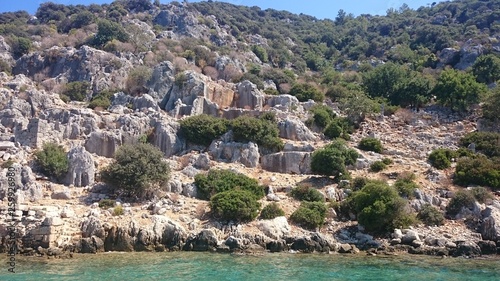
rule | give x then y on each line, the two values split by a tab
293	162
81	168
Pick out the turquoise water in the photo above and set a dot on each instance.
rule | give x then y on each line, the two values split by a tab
206	266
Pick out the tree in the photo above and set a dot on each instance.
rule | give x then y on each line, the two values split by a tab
217	181
487	69
77	90
458	90
383	81
305	92
491	107
203	129
137	169
235	205
53	160
107	31
332	159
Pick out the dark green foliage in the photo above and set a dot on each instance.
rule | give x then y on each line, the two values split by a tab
107	203
53	160
332	159
310	214
305	92
235	205
379	208
306	193
103	100
136	169
387	161
107	31
216	181
406	186
76	91
487	143
462	199
487	69
377	166
260	52
441	158
261	131
358	183
21	46
371	144
333	131
203	129
458	90
137	79
479	171
322	115
491	106
271	211
383	80
430	216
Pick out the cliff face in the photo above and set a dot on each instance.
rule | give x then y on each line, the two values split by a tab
178	61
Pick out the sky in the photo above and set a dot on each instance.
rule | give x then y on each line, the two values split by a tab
317	8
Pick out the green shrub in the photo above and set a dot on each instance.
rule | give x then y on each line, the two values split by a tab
486	142
7	164
481	194
107	31
203	129
103	100
118	210
263	132
305	92
430	216
5	67
216	181
137	79
479	171
462	198
379	208
377	166
310	214
76	91
406	186
371	144
332	159
358	183
106	203
441	158
387	161
53	160
236	205
333	131
322	115
137	169
306	193
271	211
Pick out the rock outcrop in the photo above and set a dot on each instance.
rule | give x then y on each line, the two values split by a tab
292	162
81	169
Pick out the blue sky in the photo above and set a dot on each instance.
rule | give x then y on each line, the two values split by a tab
318	8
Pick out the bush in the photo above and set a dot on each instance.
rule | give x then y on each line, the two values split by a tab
118	210
305	92
216	181
377	166
479	170
203	129
371	144
107	31
406	186
271	211
103	100
430	216
310	214
137	79
486	142
332	159
441	158
462	199
236	205
482	194
379	208
305	193
76	91
322	115
5	67
333	131
263	132
387	161
359	182
53	160
137	169
107	203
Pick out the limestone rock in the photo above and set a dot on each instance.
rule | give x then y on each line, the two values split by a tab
285	103
91	226
294	129
204	241
103	143
144	102
248	96
166	137
244	153
276	228
81	169
287	162
490	227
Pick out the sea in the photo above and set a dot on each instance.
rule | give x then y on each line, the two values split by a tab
283	266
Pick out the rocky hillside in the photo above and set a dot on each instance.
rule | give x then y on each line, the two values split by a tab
95	78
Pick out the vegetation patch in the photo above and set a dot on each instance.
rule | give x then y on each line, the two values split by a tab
271	211
371	144
306	193
235	205
53	160
310	215
216	181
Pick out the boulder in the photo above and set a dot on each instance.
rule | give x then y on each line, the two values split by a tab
292	162
244	153
81	167
409	237
248	96
204	241
490	227
283	102
294	129
144	102
167	138
61	195
467	249
103	143
91	245
91	226
162	80
276	228
203	161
